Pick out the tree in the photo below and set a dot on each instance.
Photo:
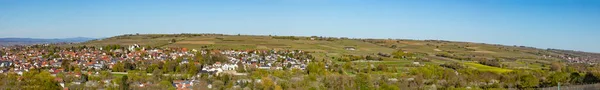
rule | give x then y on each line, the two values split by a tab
36	80
124	85
192	69
493	62
77	70
575	78
386	86
401	54
170	66
166	85
118	67
556	66
218	84
157	74
134	75
66	64
316	68
557	77
528	81
173	41
382	67
363	81
199	58
393	46
267	83
128	66
590	78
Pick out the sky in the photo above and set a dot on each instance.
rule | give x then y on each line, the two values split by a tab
561	24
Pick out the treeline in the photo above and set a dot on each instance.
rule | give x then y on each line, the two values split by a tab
285	37
349	58
187	65
32	80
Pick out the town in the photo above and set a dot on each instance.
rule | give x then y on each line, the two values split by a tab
74	67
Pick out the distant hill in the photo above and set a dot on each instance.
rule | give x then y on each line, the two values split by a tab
28	41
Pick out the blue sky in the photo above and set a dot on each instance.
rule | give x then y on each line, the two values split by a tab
562	24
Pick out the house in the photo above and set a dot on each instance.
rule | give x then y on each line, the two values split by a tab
133	47
416	63
350	48
184	61
264	66
208	70
5	63
229	67
183	84
217	64
98	66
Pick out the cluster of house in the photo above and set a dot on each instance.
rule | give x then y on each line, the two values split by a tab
259	59
20	59
576	59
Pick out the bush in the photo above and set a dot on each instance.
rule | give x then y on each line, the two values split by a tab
453	65
494	63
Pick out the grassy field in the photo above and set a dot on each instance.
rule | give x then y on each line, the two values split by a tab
486	68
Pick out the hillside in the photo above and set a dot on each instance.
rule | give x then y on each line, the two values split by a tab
335	49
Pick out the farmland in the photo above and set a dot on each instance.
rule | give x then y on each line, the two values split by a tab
417	64
330	48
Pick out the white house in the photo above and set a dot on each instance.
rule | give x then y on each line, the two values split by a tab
229	67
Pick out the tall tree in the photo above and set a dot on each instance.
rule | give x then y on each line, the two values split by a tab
124	85
528	81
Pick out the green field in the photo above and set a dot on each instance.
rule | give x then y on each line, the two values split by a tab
481	67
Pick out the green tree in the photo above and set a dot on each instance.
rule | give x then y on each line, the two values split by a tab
555	66
589	78
401	54
267	83
124	85
528	81
363	81
557	77
386	86
166	85
36	80
118	67
66	64
316	68
575	78
173	41
157	74
192	69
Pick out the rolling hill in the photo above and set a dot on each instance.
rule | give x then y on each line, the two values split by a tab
331	48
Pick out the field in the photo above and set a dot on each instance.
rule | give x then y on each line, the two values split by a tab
486	68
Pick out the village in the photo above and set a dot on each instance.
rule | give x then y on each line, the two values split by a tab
78	62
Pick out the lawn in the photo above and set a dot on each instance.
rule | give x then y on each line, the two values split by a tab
486	68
